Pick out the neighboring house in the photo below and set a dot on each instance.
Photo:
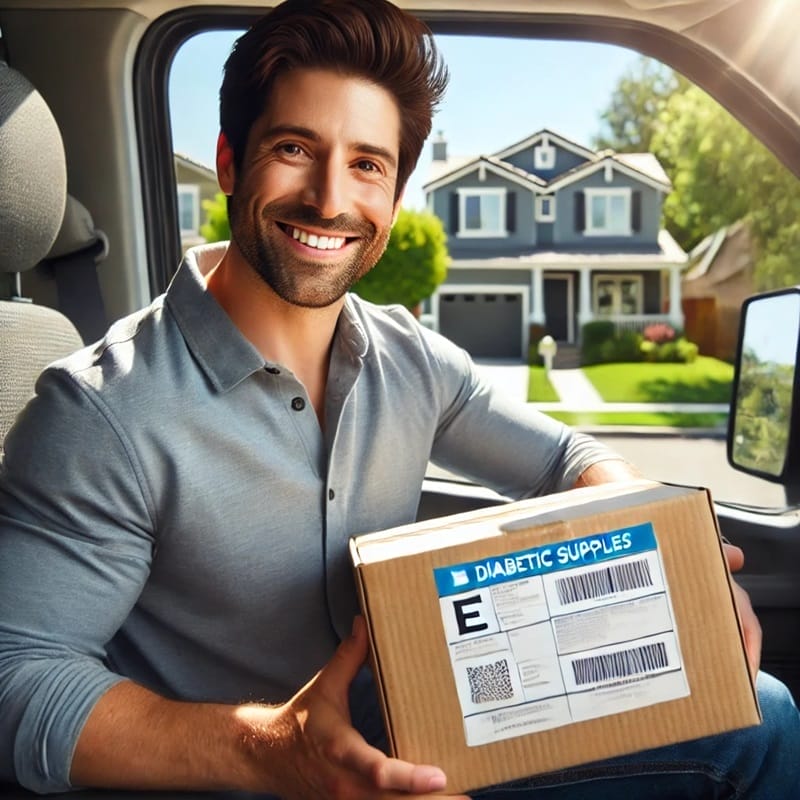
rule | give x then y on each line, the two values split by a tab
549	234
196	182
718	280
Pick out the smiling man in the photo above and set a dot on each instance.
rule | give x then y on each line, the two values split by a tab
178	605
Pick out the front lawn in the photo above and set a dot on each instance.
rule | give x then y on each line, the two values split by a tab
706	380
540	390
644	418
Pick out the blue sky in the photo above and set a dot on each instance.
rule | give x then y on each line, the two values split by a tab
501	90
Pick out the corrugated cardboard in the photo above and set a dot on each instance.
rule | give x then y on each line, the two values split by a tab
395	574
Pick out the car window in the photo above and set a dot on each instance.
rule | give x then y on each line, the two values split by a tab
604	220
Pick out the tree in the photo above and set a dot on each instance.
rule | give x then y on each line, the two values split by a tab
414	264
720	172
216	227
632	116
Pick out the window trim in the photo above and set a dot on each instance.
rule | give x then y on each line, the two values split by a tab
481	233
193	190
593	192
544	156
540	215
617	278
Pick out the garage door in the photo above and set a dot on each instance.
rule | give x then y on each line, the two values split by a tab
485	325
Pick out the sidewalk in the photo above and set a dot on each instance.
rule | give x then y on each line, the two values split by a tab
577	393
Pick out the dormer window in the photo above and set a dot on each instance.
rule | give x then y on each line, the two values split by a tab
544	156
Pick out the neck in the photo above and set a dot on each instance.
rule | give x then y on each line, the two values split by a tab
298	338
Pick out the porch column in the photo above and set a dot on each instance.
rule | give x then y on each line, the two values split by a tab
537	296
675	310
585	308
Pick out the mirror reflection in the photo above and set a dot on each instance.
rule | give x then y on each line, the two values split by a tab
762	412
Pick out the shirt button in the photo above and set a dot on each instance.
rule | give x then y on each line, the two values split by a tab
331	494
298	404
273	370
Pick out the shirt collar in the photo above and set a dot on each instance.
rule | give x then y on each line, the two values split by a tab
224	354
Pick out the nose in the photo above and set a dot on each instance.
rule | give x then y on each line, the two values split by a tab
326	191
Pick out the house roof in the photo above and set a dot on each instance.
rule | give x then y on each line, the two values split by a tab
493	164
703	257
643	167
205	172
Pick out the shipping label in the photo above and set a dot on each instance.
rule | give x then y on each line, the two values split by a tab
560	633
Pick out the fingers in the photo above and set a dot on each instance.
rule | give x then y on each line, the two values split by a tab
734	556
392	774
750	627
339	672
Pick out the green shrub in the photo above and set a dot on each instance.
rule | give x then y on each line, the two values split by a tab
625	346
593	336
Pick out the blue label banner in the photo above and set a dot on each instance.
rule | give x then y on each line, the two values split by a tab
552	557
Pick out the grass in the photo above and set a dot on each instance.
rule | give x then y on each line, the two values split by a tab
706	380
665	419
540	390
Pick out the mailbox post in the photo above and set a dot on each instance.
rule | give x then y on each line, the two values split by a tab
547	349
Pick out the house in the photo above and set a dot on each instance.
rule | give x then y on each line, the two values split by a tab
719	278
195	182
549	235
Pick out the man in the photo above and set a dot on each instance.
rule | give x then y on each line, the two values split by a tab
194	477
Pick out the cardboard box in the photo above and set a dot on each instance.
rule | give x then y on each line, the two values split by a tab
531	637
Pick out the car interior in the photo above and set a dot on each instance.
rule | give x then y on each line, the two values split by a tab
89	217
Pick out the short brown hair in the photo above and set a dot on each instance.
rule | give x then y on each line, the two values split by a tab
370	39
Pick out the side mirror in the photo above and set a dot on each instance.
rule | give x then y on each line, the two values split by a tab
763	424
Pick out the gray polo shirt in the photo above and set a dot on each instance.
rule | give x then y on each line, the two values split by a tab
171	511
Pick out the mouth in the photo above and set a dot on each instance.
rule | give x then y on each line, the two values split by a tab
315	240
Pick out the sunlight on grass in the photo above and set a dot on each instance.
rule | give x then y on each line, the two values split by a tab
706	380
540	390
665	419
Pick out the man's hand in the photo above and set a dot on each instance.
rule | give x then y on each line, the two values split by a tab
750	624
308	748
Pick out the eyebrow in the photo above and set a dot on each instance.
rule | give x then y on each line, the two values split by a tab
308	133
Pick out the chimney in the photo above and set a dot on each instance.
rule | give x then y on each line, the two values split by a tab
439	147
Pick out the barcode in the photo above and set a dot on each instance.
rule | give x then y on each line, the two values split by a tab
601	582
490	682
648	658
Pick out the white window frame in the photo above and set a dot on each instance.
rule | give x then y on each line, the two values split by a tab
617	278
541	215
544	156
481	233
194	190
590	195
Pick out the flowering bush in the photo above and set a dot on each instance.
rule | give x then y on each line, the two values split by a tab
659	333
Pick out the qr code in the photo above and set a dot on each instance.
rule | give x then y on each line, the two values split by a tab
490	682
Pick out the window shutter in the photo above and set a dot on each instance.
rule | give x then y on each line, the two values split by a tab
580	211
511	211
636	211
453	212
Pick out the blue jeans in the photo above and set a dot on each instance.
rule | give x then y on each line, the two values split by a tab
759	763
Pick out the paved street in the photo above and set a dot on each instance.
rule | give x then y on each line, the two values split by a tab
695	462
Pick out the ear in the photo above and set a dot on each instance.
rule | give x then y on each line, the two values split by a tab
226	172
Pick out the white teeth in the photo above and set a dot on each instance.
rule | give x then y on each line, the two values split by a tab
318	242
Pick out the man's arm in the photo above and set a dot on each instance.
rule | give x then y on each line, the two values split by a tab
305	748
608	471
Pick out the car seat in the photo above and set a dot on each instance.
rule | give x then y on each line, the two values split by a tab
38	222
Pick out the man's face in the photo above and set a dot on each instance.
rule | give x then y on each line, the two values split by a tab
313	204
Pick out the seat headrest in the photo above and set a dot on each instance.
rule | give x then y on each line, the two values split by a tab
33	174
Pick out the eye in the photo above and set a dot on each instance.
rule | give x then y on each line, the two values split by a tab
290	148
365	165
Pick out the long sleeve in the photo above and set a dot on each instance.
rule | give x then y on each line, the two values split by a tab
74	554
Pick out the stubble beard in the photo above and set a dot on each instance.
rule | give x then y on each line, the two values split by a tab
298	281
